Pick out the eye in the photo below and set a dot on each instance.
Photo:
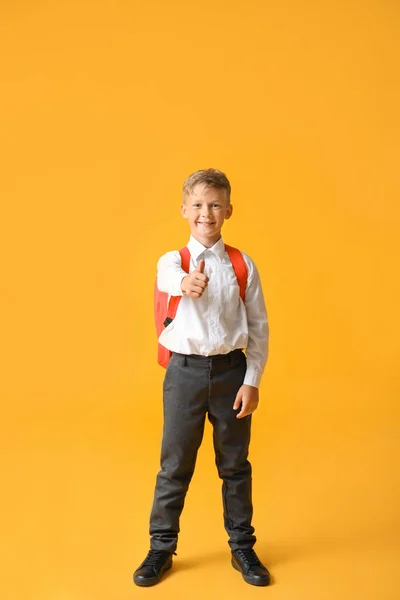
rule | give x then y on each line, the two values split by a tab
196	205
216	205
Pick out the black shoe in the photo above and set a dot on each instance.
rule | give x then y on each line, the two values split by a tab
153	567
253	571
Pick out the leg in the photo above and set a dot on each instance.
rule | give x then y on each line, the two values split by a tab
185	405
231	443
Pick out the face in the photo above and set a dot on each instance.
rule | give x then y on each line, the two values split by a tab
206	210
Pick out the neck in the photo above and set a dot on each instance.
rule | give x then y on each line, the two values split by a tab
209	242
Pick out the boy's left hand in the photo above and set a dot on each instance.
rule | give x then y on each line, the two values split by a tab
247	396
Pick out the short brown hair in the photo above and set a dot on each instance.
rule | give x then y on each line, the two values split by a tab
211	177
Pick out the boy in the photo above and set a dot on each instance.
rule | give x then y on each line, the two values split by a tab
208	373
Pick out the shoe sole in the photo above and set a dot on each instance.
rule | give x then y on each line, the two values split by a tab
149	582
248	579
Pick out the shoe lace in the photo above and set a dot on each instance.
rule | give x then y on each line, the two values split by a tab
249	557
153	557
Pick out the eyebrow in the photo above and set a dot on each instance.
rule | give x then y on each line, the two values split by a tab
209	201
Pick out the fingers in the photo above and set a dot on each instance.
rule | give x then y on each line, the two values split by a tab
194	284
196	287
200	281
195	293
238	401
197	276
245	410
241	414
242	402
247	405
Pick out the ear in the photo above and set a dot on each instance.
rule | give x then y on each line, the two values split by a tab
229	212
184	211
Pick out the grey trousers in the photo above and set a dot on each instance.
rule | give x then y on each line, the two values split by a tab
193	387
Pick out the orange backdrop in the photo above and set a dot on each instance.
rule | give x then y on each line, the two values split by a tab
105	108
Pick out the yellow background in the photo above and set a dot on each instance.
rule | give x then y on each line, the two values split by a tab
105	108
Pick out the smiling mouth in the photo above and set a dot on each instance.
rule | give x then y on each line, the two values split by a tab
204	223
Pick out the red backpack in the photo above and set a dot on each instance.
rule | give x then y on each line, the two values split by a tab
164	311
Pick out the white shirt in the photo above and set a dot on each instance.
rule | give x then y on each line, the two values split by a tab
217	322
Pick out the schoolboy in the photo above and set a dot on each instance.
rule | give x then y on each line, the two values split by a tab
208	373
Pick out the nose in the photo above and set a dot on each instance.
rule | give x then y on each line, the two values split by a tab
205	211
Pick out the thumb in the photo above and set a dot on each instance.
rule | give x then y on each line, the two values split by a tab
201	266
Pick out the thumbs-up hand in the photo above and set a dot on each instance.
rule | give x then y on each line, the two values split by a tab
193	285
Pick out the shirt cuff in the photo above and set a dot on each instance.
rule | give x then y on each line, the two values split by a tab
176	289
252	377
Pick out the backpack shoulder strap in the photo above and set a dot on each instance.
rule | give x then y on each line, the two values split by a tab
174	300
185	258
240	268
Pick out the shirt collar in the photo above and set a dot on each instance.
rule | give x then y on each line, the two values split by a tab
196	248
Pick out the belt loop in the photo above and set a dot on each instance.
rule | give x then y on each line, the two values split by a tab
184	360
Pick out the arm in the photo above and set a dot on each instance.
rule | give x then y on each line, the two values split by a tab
257	319
257	347
170	273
